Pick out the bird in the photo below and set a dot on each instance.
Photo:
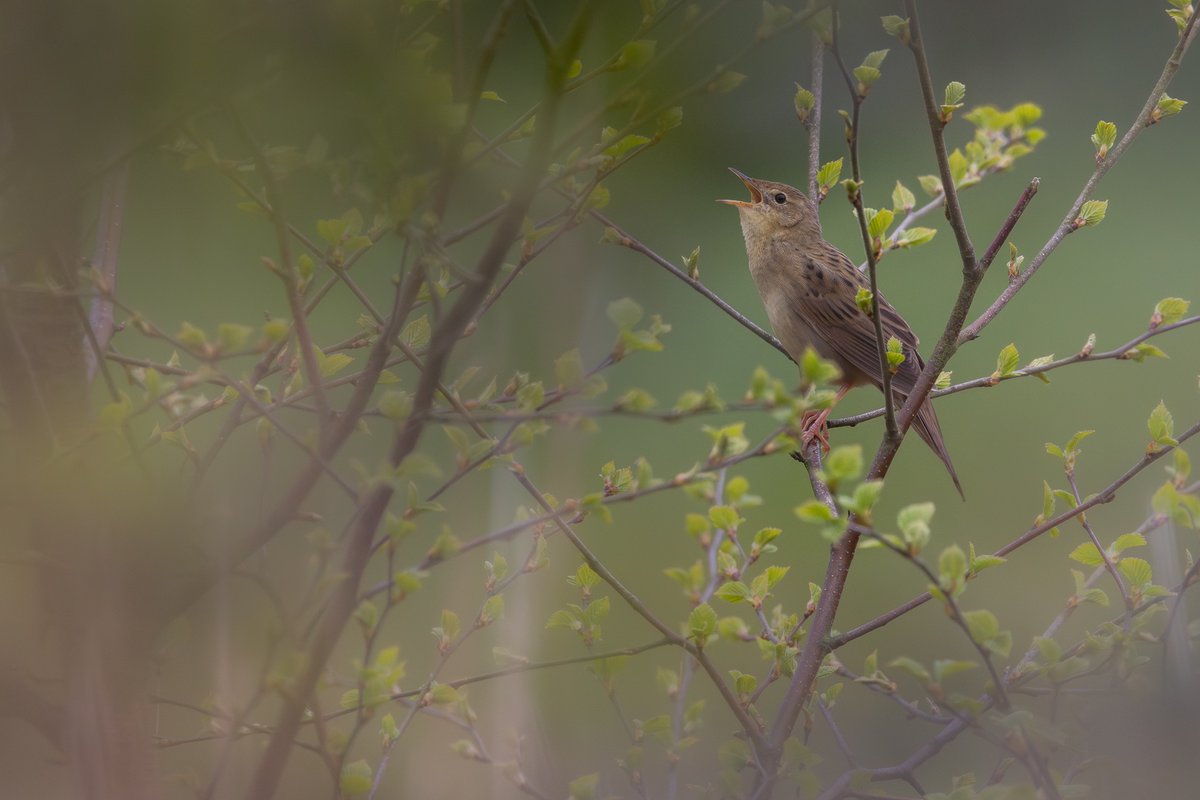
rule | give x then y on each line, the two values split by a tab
810	288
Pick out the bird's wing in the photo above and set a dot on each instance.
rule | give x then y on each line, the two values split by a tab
851	333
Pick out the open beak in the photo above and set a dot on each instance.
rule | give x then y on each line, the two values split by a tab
755	194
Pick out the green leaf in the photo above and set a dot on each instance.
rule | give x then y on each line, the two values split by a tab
955	92
913	521
985	630
493	609
952	567
931	184
1167	106
727	81
828	175
1127	541
583	787
625	313
958	166
875	58
636	400
815	511
1091	213
864	300
702	623
1006	362
1162	426
331	230
912	667
912	237
692	263
625	144
668	120
865	496
356	778
635	54
332	365
568	370
844	463
775	574
734	592
416	333
724	517
1181	469
878	222
1169	310
895	353
896	26
902	198
1104	138
1087	554
803	102
1143	351
1137	571
866	77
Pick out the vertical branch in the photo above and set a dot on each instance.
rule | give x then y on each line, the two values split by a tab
954	214
287	271
104	260
813	123
857	97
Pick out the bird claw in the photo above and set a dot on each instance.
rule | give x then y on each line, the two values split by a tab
812	426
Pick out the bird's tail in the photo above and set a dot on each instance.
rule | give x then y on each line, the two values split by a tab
926	425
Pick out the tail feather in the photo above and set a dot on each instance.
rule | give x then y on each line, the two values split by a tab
926	425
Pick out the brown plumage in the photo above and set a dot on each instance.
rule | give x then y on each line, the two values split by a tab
809	287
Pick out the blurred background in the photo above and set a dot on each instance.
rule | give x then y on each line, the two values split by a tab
303	74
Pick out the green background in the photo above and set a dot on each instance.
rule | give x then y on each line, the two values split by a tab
190	254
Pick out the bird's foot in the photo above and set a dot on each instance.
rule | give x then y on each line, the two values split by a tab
813	426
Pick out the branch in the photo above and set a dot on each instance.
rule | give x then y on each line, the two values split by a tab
1105	495
104	260
813	123
954	213
1122	352
627	240
894	434
1068	224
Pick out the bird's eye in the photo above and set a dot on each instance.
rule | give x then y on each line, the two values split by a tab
780	198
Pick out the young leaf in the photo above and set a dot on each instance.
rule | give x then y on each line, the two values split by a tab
702	623
1006	362
1168	311
1162	426
896	26
1167	106
727	81
902	198
804	102
634	54
1104	138
878	221
1091	213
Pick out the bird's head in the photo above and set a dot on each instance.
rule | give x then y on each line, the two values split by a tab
775	209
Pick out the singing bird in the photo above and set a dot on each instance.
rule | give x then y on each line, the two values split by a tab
809	289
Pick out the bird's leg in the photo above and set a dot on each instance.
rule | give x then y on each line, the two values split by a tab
813	422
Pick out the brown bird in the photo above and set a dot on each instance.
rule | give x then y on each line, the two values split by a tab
809	288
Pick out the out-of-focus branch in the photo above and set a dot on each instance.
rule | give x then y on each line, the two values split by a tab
104	258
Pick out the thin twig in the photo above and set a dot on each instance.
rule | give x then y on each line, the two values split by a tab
1069	224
